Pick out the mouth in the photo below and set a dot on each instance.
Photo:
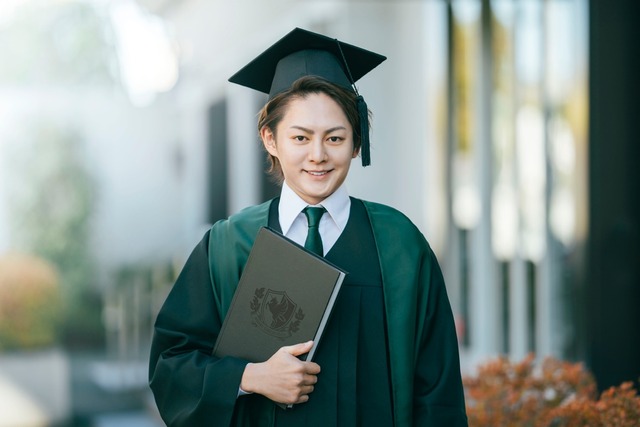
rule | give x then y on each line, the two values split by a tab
317	173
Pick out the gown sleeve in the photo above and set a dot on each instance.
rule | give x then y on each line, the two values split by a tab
438	392
190	386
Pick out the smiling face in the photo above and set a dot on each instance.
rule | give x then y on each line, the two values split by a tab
314	146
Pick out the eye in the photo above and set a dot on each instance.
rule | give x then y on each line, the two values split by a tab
335	139
299	138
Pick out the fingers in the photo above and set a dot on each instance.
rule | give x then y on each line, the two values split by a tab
312	368
302	394
305	390
283	378
298	349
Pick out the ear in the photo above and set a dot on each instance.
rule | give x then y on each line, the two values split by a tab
355	153
269	141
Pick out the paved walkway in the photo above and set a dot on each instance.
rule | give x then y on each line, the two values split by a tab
74	390
127	419
108	394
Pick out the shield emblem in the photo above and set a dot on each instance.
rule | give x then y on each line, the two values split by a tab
275	313
277	309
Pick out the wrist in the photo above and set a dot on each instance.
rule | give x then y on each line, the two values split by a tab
246	382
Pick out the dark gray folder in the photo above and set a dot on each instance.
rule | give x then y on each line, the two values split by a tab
284	297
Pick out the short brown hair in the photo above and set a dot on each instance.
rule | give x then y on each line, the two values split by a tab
274	110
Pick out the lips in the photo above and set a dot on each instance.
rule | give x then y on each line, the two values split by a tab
317	173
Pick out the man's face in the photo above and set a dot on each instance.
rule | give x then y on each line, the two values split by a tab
314	144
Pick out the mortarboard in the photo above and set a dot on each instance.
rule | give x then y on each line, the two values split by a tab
303	53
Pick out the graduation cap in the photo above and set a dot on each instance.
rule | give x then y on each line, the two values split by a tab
304	53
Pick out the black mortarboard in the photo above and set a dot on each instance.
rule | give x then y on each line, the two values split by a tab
303	53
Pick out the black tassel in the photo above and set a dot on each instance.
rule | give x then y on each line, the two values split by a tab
363	113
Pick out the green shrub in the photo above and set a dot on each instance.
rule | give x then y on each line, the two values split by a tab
30	305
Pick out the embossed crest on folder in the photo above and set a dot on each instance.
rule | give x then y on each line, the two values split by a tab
285	296
275	313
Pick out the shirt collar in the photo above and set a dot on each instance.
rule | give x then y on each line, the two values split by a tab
337	205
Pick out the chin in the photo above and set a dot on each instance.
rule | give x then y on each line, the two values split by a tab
316	197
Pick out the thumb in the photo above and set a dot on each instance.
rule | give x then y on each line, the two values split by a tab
298	349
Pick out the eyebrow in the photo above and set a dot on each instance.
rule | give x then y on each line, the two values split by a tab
304	129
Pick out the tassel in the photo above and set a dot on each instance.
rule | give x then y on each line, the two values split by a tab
363	113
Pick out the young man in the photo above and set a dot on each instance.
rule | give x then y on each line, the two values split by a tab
389	354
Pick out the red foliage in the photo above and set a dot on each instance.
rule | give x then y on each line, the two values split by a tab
555	393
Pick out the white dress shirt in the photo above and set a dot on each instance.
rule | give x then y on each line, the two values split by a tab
293	221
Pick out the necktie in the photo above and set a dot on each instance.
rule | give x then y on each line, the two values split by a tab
314	242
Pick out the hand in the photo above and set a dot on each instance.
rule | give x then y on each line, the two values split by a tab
283	378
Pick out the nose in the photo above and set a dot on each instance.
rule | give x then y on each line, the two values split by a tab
317	151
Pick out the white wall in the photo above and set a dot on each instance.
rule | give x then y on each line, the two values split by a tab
131	153
150	162
220	37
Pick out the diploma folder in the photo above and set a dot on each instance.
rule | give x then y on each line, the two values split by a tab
284	297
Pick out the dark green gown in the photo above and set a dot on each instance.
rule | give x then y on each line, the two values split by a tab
353	387
389	355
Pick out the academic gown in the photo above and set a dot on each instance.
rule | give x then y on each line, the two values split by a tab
353	388
193	388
